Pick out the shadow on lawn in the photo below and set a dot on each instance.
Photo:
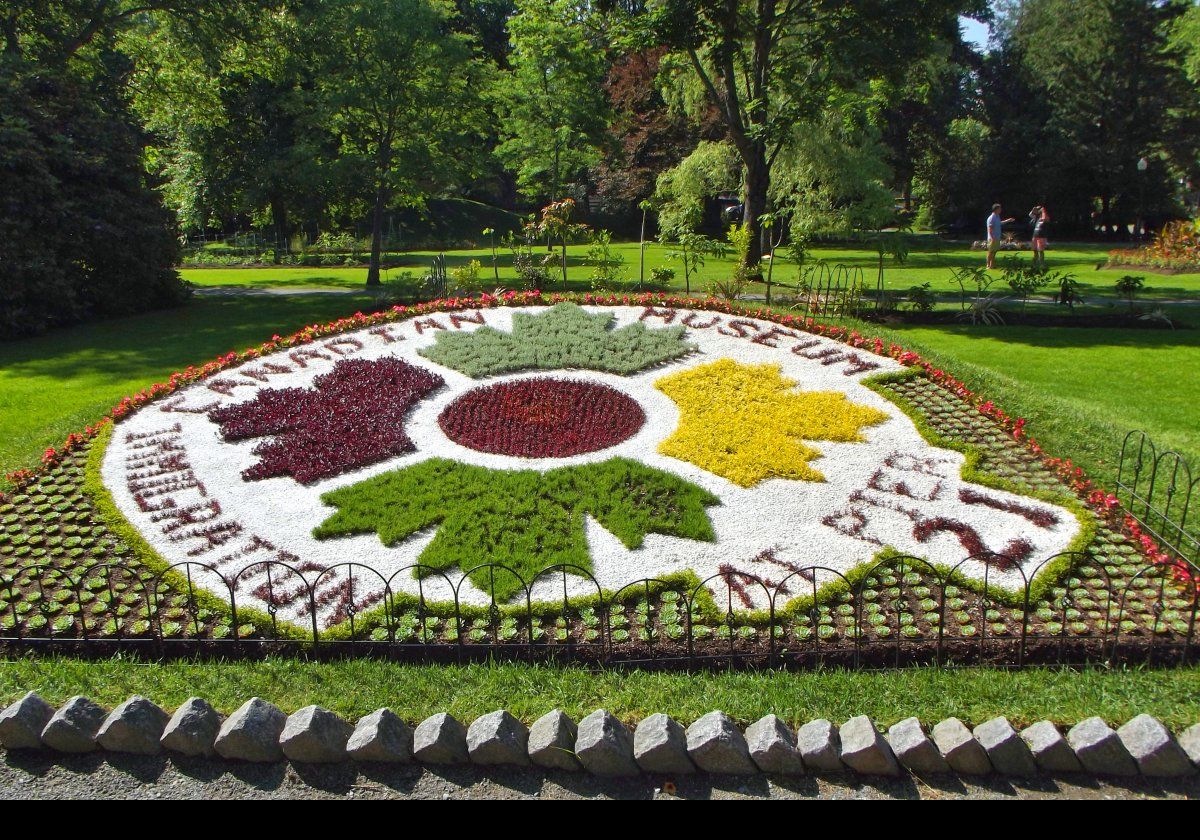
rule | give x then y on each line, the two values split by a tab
171	339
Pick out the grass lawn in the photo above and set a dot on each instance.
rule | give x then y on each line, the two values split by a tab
284	277
932	261
58	383
356	687
1081	389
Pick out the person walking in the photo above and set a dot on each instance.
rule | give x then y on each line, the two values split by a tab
995	227
1041	221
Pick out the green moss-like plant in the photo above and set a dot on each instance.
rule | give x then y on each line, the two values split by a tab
564	336
523	519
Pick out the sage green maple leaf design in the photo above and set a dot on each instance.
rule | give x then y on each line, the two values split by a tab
564	336
523	519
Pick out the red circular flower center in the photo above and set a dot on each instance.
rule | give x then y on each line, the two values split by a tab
541	418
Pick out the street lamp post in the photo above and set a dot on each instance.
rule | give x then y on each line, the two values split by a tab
1142	166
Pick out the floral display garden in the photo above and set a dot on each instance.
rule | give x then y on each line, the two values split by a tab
599	477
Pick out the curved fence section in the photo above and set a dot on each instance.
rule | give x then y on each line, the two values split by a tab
897	611
1111	603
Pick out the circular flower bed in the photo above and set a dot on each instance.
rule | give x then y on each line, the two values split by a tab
541	418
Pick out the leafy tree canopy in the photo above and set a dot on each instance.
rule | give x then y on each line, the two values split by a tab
551	103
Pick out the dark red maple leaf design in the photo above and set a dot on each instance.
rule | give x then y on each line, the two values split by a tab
351	417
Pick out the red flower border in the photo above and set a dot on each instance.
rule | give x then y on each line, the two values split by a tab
1101	501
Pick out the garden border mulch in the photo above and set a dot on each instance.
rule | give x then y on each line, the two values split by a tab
1152	269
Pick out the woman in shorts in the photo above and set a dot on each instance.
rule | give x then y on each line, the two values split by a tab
1041	221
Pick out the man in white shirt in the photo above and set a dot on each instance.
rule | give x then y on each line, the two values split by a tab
995	226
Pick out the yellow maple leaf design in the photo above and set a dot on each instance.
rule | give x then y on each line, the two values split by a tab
745	423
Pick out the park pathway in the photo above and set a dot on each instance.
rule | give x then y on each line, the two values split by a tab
105	776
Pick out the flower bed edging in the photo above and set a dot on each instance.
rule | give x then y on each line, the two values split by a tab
1142	746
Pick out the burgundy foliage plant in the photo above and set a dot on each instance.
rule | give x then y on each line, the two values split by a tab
542	418
351	417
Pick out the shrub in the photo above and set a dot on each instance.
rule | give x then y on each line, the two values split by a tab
1024	280
1068	291
83	234
532	269
465	278
608	265
662	277
1128	287
920	298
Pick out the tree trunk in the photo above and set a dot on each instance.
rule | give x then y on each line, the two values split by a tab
687	277
376	233
279	222
754	200
555	187
381	195
642	254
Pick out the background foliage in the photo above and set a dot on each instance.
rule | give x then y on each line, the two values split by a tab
371	122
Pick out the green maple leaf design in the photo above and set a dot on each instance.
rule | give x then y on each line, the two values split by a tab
523	519
564	336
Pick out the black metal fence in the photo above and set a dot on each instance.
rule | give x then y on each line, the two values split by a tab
823	290
1108	604
1156	489
899	611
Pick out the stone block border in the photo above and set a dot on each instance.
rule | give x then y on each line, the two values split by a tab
601	744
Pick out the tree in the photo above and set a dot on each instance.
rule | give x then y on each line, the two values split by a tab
918	110
82	231
680	195
1113	90
57	31
648	136
403	92
551	104
556	226
238	129
1186	38
831	175
486	20
766	64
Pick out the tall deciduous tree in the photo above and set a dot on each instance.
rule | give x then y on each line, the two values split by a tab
648	136
82	231
238	131
1112	87
767	64
551	103
57	31
404	91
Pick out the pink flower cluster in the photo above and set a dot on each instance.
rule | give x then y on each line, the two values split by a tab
541	418
352	416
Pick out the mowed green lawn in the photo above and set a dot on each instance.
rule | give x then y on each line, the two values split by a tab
931	261
1083	388
356	687
58	383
